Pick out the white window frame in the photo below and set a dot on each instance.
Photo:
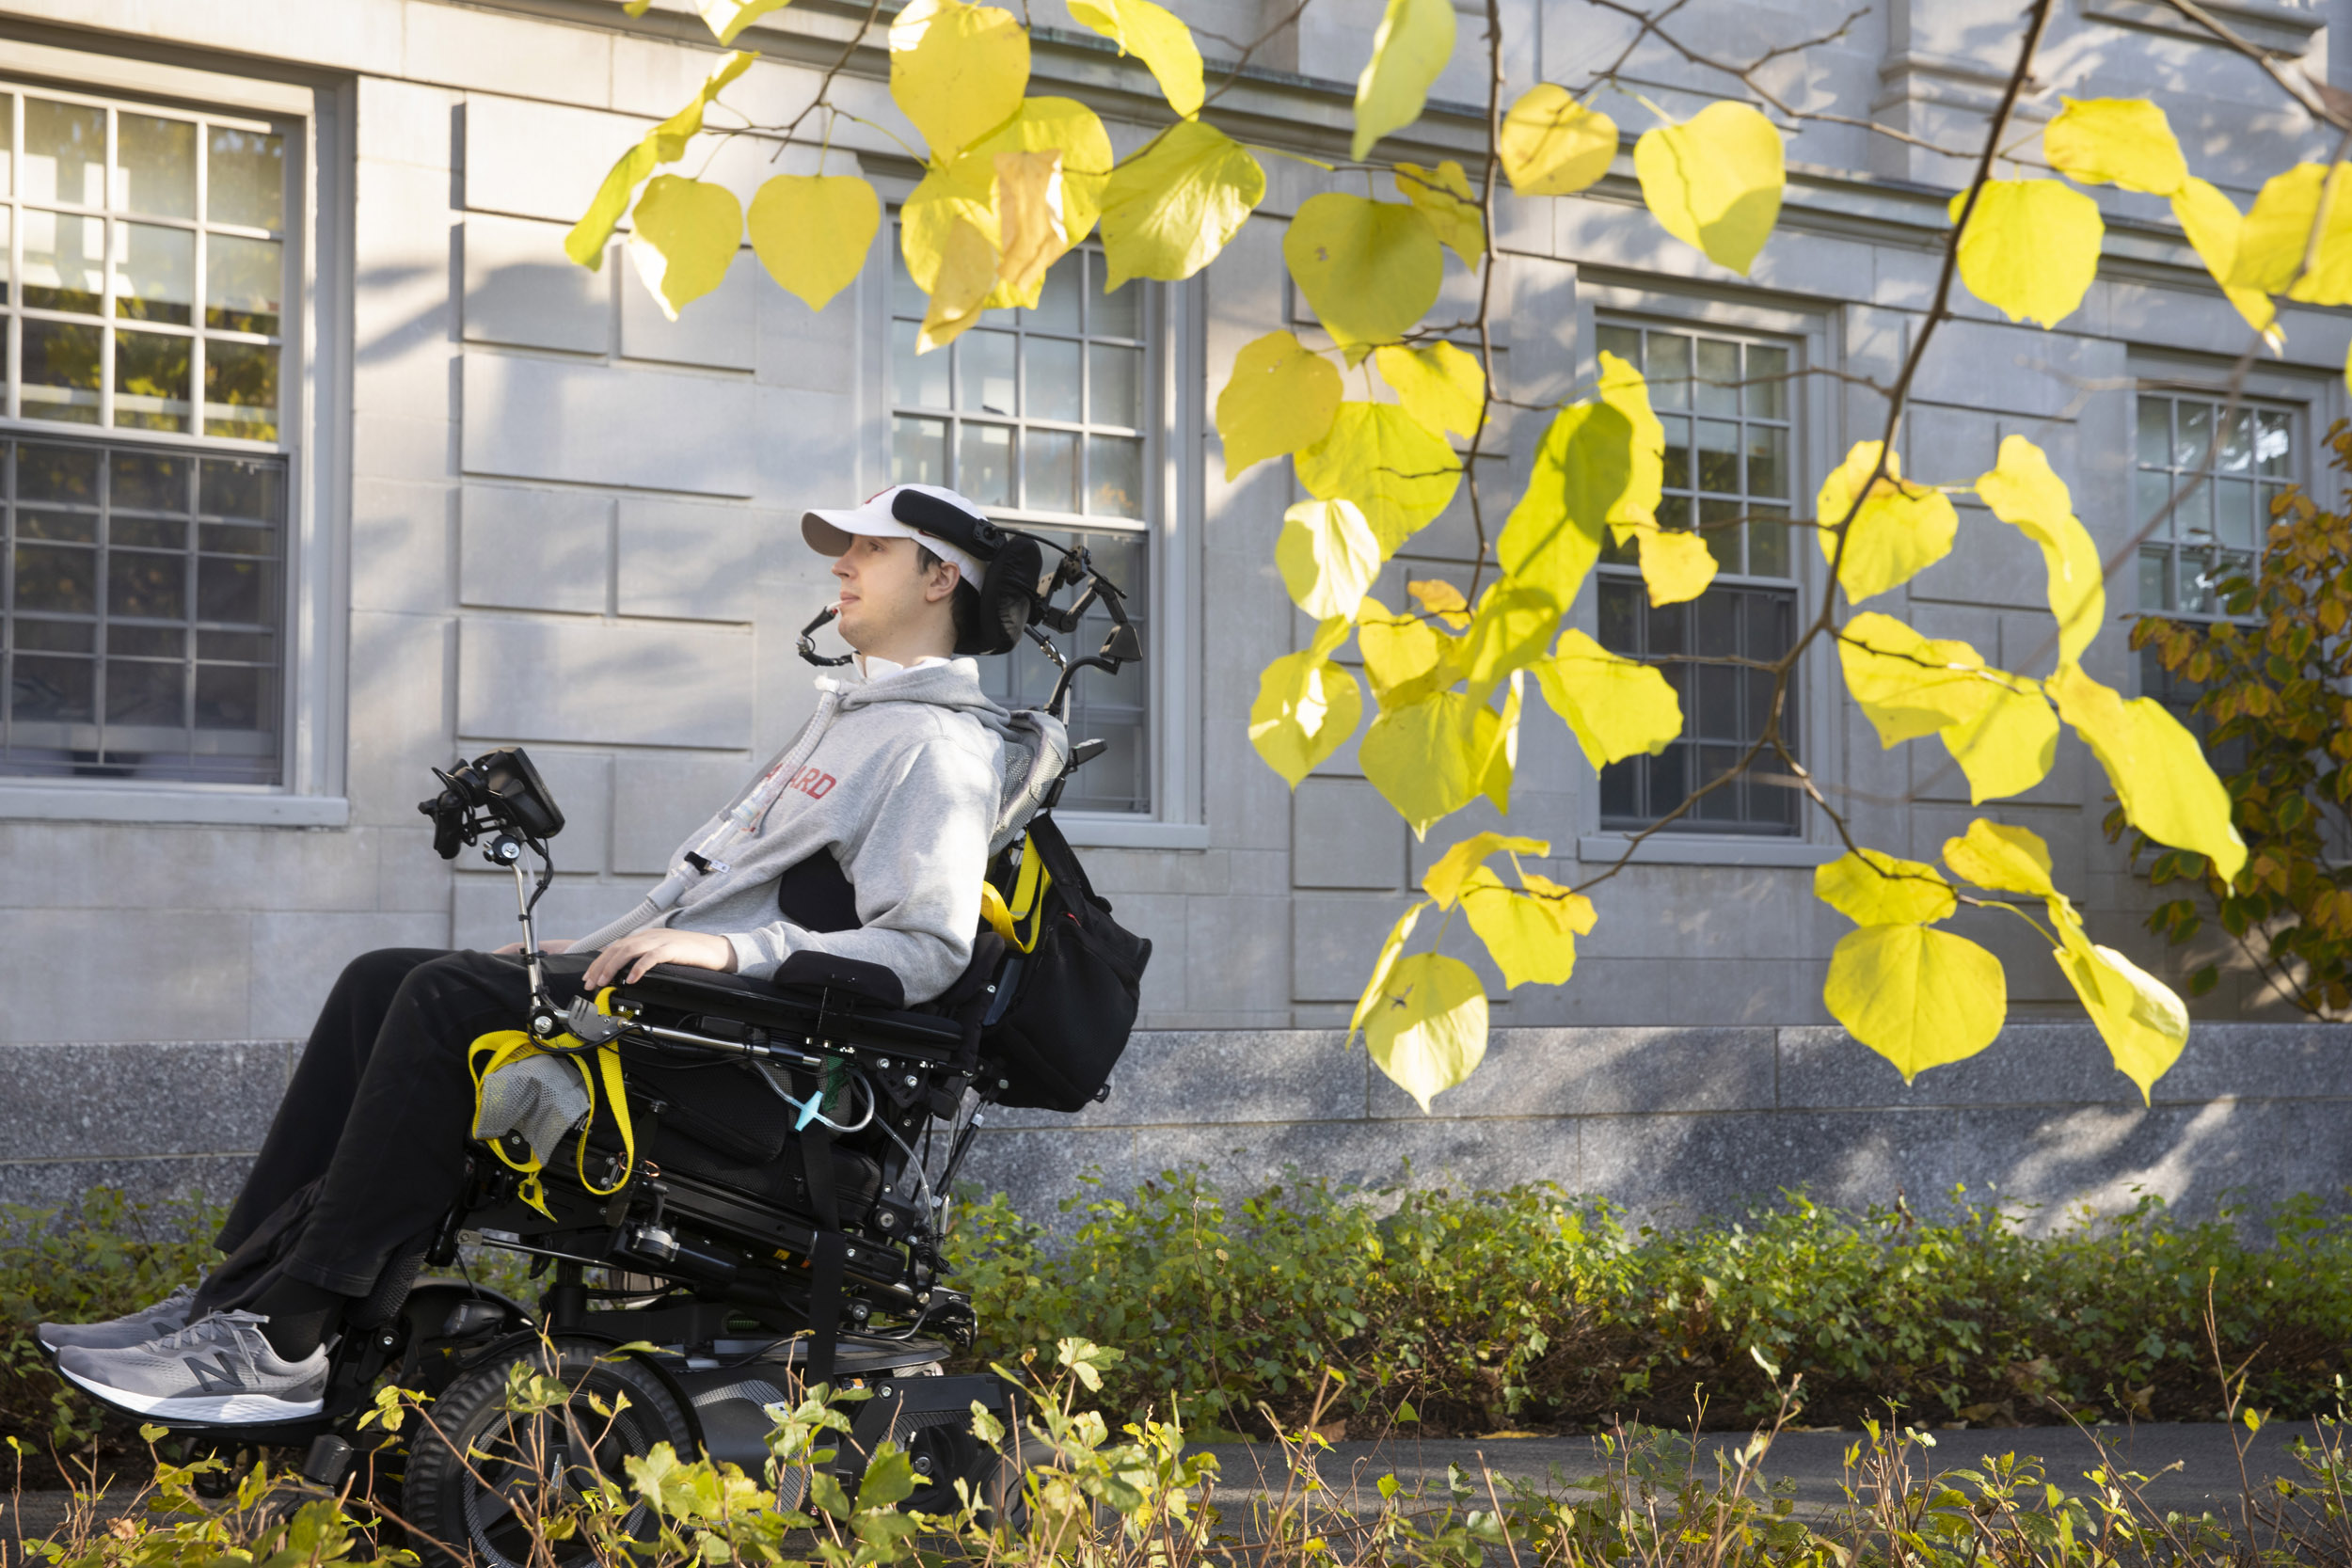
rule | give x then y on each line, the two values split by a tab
313	380
1813	409
1172	654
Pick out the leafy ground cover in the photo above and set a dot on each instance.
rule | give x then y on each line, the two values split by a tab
1141	1497
1521	1310
1530	1308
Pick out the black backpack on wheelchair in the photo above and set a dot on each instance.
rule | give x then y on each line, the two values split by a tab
772	1220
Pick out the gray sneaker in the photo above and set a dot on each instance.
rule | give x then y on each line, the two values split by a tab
218	1368
152	1322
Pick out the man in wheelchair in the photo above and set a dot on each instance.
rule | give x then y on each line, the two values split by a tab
847	874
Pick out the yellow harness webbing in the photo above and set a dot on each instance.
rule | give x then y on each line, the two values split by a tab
495	1051
1028	897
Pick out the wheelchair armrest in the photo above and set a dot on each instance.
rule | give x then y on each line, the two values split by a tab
825	970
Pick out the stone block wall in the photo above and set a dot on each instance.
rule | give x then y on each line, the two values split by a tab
1675	1125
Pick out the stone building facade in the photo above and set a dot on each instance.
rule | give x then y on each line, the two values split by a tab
326	466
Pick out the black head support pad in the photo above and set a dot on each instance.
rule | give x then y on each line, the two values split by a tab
1008	588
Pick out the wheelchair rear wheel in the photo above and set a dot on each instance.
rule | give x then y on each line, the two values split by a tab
480	1472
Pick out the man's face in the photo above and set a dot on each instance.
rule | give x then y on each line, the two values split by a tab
886	591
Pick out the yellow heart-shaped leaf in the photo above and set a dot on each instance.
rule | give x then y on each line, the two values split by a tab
1918	996
1328	557
1444	197
1898	532
1389	949
966	276
2276	236
1414	41
1428	758
2024	493
1440	385
1615	706
1371	269
1676	565
2121	141
2031	247
2009	746
2005	859
2159	773
1281	397
2214	227
1399	470
1715	180
1029	225
1870	888
812	232
1622	389
1529	933
1427	1027
1307	706
1404	657
1169	209
2144	1024
1584	467
665	144
1157	37
1908	685
1552	146
1444	879
956	71
685	236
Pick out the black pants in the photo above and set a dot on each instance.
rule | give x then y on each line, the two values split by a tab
381	1106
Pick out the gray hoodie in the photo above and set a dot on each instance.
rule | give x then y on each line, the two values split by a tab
910	781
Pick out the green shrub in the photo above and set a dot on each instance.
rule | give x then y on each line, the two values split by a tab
1470	1314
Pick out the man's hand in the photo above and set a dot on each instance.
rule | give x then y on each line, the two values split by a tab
546	945
640	951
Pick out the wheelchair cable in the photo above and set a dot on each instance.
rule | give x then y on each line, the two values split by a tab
922	1176
805	1107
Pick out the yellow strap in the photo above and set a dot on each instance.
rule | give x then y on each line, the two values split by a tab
992	910
1029	895
495	1051
506	1045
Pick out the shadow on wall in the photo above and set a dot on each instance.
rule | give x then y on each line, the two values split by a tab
1679	1125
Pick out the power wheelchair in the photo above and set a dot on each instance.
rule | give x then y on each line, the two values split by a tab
774	1219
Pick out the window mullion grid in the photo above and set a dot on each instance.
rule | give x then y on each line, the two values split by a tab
188	612
7	599
106	230
16	251
199	292
101	596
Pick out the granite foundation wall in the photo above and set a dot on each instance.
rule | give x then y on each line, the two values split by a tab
1675	1124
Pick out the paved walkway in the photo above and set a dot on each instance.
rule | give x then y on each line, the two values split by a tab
2193	1466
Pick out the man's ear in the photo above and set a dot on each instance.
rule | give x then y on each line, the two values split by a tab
943	583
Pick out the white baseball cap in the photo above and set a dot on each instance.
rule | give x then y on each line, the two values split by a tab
828	532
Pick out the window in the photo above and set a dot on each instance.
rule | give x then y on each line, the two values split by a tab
1726	405
2216	525
142	576
1046	422
143	637
2217	520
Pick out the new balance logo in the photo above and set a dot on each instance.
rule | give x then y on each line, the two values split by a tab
219	1378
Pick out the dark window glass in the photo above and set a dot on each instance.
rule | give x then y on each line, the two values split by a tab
1726	707
136	641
